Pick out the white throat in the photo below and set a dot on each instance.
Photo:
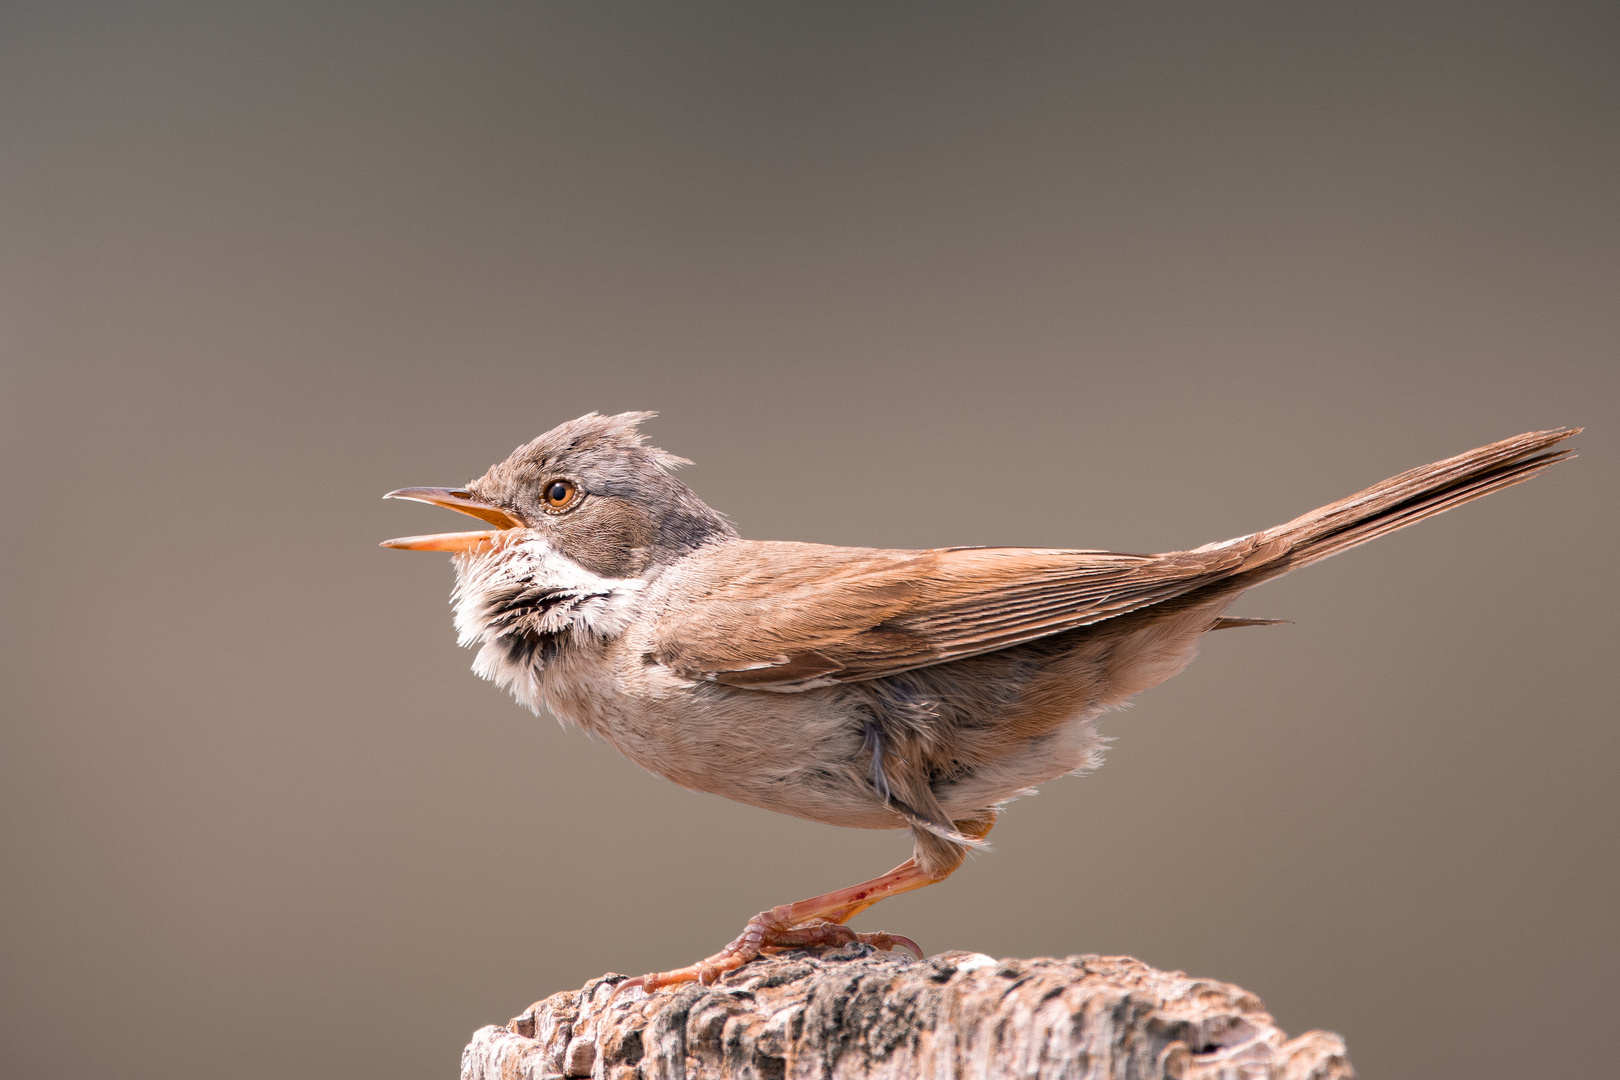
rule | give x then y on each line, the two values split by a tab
522	601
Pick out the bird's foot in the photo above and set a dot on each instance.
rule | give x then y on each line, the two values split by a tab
768	932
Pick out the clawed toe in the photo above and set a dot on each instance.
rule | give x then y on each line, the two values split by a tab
639	980
765	935
819	935
887	943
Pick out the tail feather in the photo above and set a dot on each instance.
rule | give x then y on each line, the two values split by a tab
1407	499
1147	645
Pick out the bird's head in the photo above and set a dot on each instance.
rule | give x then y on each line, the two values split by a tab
590	491
583	517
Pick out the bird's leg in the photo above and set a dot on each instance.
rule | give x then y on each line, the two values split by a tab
814	922
818	921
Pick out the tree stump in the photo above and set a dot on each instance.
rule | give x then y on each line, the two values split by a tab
852	1012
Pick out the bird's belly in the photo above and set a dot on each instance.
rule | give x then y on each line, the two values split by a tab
800	754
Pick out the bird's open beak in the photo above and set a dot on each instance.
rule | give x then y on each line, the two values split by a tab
462	501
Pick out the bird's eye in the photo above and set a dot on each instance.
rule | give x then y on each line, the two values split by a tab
560	494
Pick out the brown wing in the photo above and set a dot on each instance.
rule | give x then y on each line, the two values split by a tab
788	616
785	616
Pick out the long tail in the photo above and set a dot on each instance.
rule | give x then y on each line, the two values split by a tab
1394	504
1160	638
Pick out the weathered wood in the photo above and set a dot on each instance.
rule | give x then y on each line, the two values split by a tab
852	1013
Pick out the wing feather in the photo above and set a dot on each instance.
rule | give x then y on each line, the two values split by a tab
785	616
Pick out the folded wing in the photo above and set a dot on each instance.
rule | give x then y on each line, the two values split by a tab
784	616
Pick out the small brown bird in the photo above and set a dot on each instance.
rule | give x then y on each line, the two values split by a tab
870	688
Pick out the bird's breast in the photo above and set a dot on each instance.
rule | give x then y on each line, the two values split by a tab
798	754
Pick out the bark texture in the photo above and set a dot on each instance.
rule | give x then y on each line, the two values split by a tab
851	1013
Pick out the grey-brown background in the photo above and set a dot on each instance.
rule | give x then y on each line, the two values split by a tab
1137	277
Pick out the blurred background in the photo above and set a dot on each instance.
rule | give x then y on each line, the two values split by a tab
1152	274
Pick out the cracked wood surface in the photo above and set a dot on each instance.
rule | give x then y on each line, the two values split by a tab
854	1013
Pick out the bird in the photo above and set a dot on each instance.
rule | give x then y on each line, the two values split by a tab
868	688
